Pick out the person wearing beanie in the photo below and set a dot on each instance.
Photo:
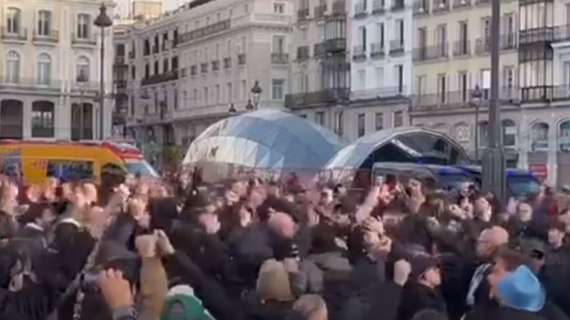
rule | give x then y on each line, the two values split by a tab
273	298
182	304
422	289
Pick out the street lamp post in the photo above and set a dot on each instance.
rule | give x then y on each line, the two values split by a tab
476	97
256	92
102	21
494	158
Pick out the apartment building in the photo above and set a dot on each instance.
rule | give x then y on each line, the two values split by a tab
151	49
380	41
319	69
226	48
451	61
50	68
121	76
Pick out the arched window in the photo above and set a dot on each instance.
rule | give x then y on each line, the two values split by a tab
13	67
82	69
509	133
539	136
564	136
44	69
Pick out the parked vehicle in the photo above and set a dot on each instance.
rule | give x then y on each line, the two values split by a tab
520	183
32	162
436	176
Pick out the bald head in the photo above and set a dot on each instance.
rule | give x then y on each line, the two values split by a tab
491	239
282	224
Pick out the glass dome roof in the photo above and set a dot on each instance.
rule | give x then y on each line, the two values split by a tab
409	144
265	139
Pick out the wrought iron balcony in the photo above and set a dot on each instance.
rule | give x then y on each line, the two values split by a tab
335	45
360	9
377	50
421	7
359	53
537	35
396	46
21	34
378	7
439	51
88	40
159	78
507	42
279	58
461	99
323	97
461	48
241	59
52	36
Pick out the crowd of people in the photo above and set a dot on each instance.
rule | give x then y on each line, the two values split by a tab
136	249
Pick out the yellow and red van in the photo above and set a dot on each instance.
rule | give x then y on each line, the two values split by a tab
32	162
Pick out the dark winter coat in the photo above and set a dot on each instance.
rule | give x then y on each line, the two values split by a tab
417	297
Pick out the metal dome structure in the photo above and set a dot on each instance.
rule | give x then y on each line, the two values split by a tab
407	144
268	139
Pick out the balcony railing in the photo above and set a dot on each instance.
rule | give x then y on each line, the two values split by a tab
507	42
215	65
319	50
303	14
461	48
335	45
89	40
421	7
32	83
440	6
159	78
360	9
378	7
339	7
327	96
431	53
377	50
461	4
359	53
396	46
379	93
303	53
241	59
537	35
52	36
227	63
398	5
460	99
562	33
119	60
279	58
193	70
204	67
20	35
320	11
